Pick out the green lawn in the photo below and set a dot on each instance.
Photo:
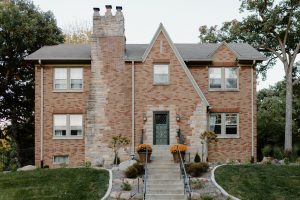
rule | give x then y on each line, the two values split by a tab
46	184
260	181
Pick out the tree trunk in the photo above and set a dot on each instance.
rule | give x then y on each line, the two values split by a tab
288	110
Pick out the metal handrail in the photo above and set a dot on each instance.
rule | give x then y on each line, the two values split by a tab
186	180
142	137
146	174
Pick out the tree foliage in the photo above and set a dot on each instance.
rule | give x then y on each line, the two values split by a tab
23	30
78	33
272	27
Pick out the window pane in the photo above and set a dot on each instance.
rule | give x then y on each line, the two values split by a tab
60	125
76	124
215	78
231	124
61	159
161	73
231	77
215	123
60	78
76	75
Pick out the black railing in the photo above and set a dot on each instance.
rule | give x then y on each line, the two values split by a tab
142	137
180	137
146	174
186	179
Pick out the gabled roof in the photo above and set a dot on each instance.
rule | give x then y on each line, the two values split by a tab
161	29
135	52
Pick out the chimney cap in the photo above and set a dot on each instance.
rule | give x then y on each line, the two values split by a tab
118	8
108	7
96	9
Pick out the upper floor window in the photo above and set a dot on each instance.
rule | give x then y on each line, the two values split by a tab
224	124
68	78
223	78
161	74
67	125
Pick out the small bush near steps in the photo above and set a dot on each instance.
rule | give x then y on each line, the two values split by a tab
196	169
134	171
126	187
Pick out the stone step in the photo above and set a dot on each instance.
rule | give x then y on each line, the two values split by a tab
167	174
174	186
164	177
164	191
164	182
164	170
165	197
162	166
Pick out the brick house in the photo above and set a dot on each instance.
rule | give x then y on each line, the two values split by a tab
85	94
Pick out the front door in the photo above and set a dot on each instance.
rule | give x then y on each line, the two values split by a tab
161	128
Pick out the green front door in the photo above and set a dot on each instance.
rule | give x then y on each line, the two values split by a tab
161	128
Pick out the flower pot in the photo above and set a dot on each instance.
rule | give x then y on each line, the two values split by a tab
142	157
176	157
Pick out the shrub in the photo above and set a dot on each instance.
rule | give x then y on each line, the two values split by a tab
196	169
87	164
142	148
267	150
140	168
181	147
46	167
131	172
207	198
197	184
126	187
278	153
197	158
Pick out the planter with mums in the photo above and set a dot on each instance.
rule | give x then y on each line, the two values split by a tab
174	150
141	150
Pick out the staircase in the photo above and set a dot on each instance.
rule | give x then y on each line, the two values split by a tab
163	180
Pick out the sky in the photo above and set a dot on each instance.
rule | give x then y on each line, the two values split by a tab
181	18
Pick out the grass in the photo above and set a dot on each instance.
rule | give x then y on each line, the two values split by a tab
56	184
260	181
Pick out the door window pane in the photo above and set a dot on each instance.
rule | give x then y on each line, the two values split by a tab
215	78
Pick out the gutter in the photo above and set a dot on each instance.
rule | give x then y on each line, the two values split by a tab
252	111
132	109
42	116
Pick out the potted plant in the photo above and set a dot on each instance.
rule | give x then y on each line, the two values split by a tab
174	150
141	150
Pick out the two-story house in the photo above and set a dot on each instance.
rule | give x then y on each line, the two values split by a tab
85	94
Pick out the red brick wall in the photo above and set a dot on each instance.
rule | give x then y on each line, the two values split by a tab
237	101
179	92
54	103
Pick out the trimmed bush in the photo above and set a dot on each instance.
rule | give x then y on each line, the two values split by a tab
267	151
140	168
196	169
277	153
131	172
126	187
197	158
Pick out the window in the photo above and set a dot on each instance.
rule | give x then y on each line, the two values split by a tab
223	78
60	159
67	126
161	74
68	78
224	124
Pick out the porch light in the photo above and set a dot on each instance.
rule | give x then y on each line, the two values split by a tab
145	117
178	117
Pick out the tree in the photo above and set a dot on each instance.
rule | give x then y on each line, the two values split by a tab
272	27
78	33
23	30
117	142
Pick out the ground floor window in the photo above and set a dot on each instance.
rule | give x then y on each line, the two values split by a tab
67	125
224	124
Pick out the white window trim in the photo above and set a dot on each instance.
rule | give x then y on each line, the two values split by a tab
68	132
68	89
223	126
223	80
167	83
58	163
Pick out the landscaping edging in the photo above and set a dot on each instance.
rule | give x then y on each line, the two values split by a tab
110	185
218	186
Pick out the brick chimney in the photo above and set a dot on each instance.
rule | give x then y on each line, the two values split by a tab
104	117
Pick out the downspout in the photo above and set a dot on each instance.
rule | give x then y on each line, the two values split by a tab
132	109
42	116
252	111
